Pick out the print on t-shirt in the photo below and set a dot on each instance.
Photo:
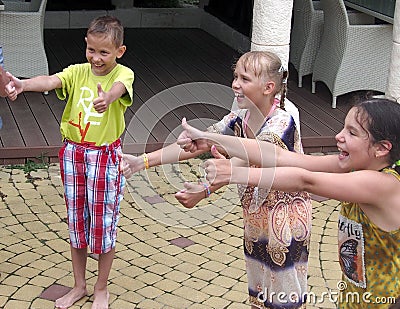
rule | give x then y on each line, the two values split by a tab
351	251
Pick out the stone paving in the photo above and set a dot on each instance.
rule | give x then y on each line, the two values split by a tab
167	256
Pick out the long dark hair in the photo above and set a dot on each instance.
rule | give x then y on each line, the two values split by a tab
381	119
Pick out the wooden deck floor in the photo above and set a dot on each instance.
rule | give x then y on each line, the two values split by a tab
178	73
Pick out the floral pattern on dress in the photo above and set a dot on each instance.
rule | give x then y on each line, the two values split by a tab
281	220
277	225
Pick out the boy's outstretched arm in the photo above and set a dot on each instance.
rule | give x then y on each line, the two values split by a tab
38	84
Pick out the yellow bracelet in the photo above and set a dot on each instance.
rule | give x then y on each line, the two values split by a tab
145	160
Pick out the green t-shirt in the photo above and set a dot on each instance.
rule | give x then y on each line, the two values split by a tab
80	122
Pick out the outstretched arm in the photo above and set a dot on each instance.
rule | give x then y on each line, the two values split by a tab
170	154
193	193
39	84
358	187
256	152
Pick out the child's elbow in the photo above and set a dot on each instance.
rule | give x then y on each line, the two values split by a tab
304	180
308	182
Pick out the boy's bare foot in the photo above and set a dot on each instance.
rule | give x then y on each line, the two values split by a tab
100	299
70	298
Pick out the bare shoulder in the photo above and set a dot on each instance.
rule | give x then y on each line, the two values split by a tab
387	184
384	211
367	187
393	181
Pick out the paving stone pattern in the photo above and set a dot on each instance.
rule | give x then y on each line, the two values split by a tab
166	257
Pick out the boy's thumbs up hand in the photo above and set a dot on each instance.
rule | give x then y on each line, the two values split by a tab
100	90
100	104
14	86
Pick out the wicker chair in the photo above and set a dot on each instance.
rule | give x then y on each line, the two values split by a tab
308	19
21	35
352	55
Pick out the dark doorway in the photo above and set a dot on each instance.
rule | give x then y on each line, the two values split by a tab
236	13
70	5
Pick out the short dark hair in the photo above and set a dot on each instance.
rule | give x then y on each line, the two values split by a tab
108	26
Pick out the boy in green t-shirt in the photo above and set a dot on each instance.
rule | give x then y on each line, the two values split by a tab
97	93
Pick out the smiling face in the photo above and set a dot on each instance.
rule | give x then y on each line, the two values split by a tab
248	88
257	79
101	53
357	150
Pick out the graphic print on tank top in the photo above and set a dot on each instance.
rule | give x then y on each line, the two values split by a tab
351	251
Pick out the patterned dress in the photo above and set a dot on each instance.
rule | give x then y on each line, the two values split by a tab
369	258
277	225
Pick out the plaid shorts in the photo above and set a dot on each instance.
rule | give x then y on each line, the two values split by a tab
93	190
